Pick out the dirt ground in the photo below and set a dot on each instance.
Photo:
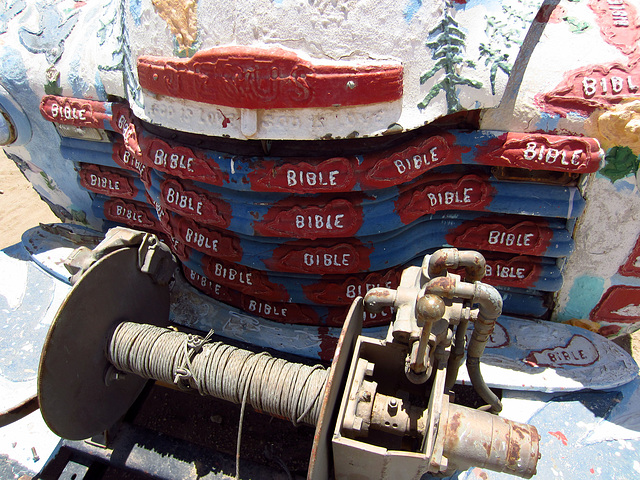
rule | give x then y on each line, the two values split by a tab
21	208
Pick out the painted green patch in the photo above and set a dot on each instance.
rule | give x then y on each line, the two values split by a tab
583	297
498	61
505	31
186	52
619	163
48	181
79	216
52	87
575	25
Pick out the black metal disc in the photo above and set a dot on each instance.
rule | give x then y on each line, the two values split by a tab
74	400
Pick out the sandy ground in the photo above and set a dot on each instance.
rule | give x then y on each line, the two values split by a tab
21	208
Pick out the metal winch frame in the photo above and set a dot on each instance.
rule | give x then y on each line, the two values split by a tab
427	340
385	404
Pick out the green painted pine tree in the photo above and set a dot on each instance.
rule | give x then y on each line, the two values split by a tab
498	60
447	42
504	32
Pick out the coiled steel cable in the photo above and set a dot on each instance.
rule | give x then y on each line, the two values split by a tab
278	387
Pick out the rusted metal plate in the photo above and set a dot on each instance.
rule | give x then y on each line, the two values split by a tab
320	461
80	405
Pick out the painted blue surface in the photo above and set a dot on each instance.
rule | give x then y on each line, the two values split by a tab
53	30
411	9
29	297
525	304
389	249
194	310
536	355
8	10
516	301
50	247
236	169
52	178
135	9
548	122
380	208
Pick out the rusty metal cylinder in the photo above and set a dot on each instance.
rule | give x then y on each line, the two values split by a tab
477	438
397	416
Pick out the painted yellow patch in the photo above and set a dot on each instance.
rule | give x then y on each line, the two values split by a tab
618	126
182	18
583	323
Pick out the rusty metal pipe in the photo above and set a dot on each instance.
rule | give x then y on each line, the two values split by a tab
490	308
457	355
490	302
447	259
378	298
476	438
450	287
429	309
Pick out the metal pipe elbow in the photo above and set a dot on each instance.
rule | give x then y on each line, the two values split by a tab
490	308
489	300
444	259
378	298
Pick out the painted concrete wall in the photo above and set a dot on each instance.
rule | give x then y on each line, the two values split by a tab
561	75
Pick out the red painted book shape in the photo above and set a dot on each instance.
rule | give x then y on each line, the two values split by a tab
263	78
282	312
107	181
618	22
593	87
631	268
75	111
620	304
133	214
